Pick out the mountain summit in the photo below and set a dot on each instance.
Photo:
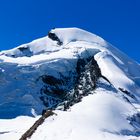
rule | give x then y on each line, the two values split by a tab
92	87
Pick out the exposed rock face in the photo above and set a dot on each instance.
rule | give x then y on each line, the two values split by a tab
55	93
88	73
54	38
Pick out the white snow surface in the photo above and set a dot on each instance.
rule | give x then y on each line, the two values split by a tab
102	115
99	116
82	43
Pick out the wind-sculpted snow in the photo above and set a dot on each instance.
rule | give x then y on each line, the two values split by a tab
57	72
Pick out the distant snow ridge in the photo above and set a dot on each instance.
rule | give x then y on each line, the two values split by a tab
75	71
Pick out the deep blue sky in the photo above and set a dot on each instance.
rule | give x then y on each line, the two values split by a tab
117	21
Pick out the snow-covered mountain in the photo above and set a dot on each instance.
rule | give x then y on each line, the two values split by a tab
92	87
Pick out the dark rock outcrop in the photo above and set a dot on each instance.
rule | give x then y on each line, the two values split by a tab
127	93
88	73
56	92
55	38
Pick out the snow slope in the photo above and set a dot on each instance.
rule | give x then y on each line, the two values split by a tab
99	116
111	112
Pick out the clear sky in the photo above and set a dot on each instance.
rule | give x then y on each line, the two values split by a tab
117	21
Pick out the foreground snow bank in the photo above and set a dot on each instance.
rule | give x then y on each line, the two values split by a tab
99	116
102	115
